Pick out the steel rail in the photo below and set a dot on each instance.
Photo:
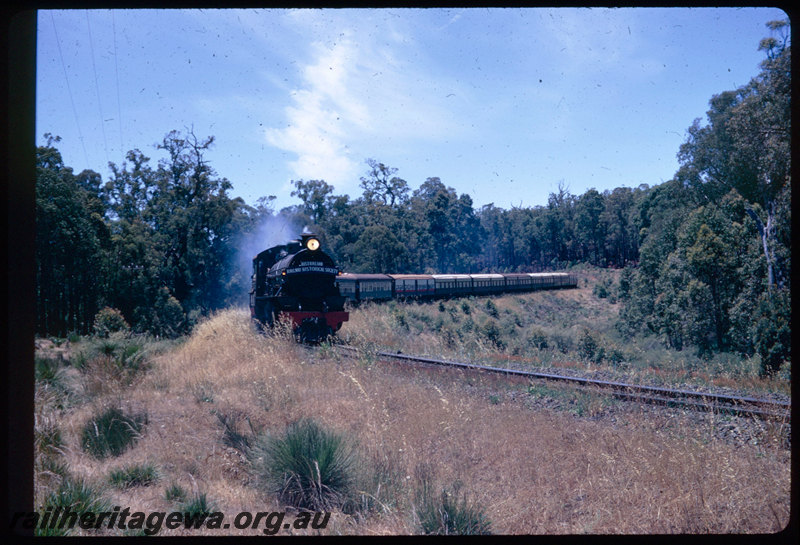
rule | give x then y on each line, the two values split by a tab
743	405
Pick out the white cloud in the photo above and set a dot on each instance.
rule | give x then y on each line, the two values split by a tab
357	96
318	119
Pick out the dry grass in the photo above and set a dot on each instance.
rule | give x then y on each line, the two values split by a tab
533	470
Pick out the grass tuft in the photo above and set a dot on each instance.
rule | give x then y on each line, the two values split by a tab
198	505
231	435
74	496
111	433
308	466
48	371
175	493
136	475
450	513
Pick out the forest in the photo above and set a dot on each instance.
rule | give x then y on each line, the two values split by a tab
705	257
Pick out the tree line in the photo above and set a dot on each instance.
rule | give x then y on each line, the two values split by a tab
705	256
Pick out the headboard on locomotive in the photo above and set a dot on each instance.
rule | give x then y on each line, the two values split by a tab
309	274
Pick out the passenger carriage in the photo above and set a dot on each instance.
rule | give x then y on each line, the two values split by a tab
517	282
365	287
413	286
451	285
487	283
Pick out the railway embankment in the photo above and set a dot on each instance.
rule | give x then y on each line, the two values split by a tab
513	458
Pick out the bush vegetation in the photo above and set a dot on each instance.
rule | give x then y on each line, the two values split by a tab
571	329
110	320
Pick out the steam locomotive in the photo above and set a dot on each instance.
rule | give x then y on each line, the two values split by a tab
298	280
302	282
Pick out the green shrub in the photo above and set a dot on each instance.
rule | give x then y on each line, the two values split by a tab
455	317
491	331
109	320
601	289
563	342
111	433
624	286
308	466
615	355
772	331
449	337
537	338
491	308
168	318
400	319
587	346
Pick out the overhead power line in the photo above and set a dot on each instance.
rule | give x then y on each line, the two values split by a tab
69	91
116	73
97	88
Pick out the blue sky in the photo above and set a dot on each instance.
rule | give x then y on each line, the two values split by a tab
501	104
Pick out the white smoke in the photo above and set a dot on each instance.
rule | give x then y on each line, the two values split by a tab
272	231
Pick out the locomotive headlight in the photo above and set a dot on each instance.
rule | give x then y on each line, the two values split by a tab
312	244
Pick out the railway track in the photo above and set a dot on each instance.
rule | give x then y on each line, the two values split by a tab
704	401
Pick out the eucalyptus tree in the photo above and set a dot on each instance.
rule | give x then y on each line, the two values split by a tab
746	146
71	237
